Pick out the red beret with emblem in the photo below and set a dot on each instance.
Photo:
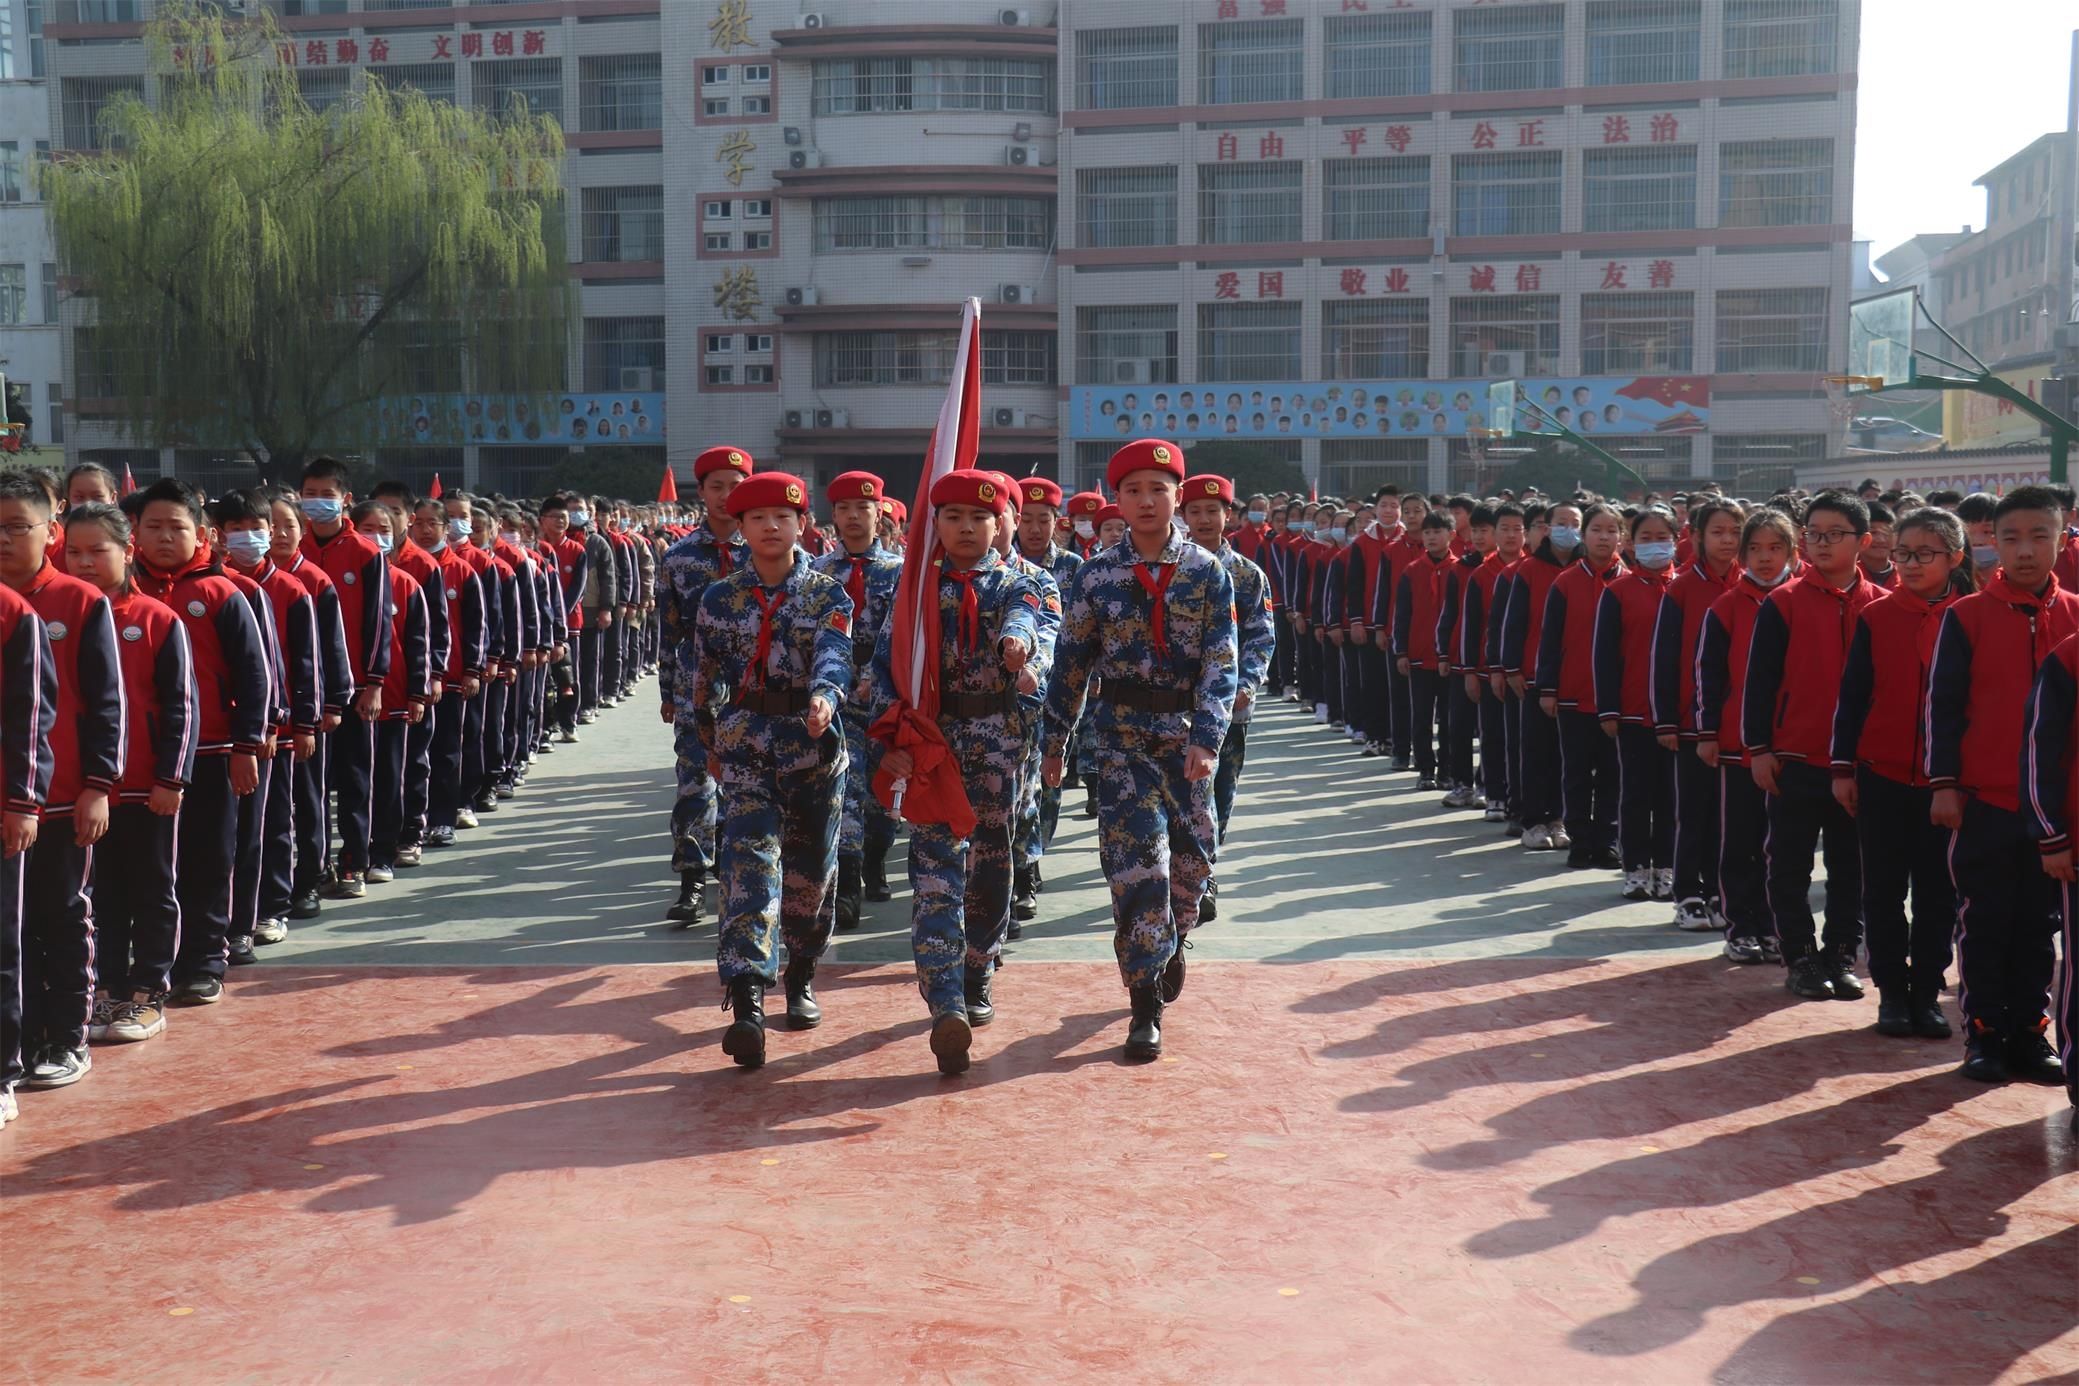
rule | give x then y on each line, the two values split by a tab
1207	488
1110	512
1009	491
1084	505
768	489
896	509
965	487
1040	490
723	460
855	486
1144	455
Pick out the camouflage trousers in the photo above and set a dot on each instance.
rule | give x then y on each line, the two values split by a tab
961	886
778	860
693	812
1033	828
1156	843
864	816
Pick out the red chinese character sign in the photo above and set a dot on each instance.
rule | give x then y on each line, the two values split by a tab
466	46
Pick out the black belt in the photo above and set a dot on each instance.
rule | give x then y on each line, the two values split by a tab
862	654
775	702
1146	697
972	704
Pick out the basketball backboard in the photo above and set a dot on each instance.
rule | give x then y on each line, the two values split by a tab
1513	413
1880	340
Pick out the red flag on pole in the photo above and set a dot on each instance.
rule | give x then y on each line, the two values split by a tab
668	489
933	792
129	481
434	490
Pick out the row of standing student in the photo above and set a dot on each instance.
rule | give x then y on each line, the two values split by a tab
1705	699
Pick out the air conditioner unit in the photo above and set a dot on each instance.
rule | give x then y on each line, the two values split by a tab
806	158
1132	372
1017	293
1007	418
791	135
815	21
1014	19
825	418
1504	365
797	418
1017	154
638	379
807	296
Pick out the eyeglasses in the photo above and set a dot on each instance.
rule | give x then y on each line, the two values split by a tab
1829	537
1913	558
19	529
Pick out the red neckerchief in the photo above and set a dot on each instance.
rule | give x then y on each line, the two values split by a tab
969	631
855	585
723	566
2033	604
757	674
1156	585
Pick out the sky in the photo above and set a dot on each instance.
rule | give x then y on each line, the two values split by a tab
1949	89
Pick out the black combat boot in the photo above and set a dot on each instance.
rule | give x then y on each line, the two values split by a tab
877	869
1144	1038
1024	898
851	888
951	1037
802	1011
686	909
1173	972
744	1040
981	1009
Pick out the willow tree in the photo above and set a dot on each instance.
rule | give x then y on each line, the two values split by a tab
256	274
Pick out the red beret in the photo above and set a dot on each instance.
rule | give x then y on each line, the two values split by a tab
1208	487
1010	493
723	460
1085	504
767	489
1144	455
1110	512
966	487
1040	490
895	508
855	486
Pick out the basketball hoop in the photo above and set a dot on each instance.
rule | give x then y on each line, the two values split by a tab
1841	405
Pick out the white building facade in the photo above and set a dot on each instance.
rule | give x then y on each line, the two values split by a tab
31	343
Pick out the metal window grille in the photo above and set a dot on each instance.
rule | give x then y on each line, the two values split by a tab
1377	54
1018	358
1121	69
875	86
1514	49
1631	41
435	81
1251	61
100	361
1360	466
100	12
82	100
1249	204
1772	329
1248	341
614	345
1776	183
14	295
1126	345
933	223
1646	333
516	357
721	375
428	356
1485	324
50	292
1644	188
1374	199
405	4
500	87
291	9
1780	38
1375	339
1506	194
10	171
757	374
622	92
1126	206
623	223
926	358
324	87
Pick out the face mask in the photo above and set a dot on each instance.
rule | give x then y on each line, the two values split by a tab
580	518
1984	557
1777	581
1308	527
1257	517
510	536
1656	555
246	545
1335	536
1565	537
458	531
1292	526
440	541
1085	530
382	541
321	510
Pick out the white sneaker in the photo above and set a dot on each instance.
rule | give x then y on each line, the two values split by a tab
137	1020
1321	713
1562	840
1718	919
1497	814
1692	917
9	1109
568	738
1638	884
380	875
270	931
1537	838
1664	883
465	818
97	1024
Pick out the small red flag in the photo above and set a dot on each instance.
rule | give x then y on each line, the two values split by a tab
129	481
668	489
434	490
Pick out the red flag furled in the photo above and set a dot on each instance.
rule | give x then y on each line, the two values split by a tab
434	490
933	792
129	481
668	489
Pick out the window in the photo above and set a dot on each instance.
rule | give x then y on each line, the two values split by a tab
989	222
1641	188
1514	49
1121	69
1375	339
1248	204
926	358
1248	341
54	411
755	207
1776	183
720	343
10	171
624	354
721	375
875	86
1633	41
1648	334
322	88
1772	330
50	292
1251	61
755	342
758	374
757	240
435	81
1126	346
7	72
14	295
1374	199
757	105
719	211
715	106
1126	206
82	101
1484	325
623	223
755	74
715	242
1378	54
1779	38
1017	358
32	22
624	92
714	75
1505	194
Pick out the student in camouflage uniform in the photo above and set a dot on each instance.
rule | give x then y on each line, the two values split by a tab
1039	806
774	663
961	886
1154	618
869	574
715	550
1031	706
1209	510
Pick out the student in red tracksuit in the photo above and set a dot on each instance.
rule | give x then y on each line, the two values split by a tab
1366	705
1522	637
234	711
136	911
1987	653
28	711
1625	627
409	557
407	692
569	554
1537	530
1416	603
88	740
2050	806
1394	562
1880	778
1795	656
462	667
1708	574
1498	532
1877	563
2067	565
311	802
1459	664
1566	689
1768	547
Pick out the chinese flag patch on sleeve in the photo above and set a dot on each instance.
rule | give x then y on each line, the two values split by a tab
841	623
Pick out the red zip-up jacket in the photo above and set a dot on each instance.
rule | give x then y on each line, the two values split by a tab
335	670
1881	710
234	683
158	696
1626	623
467	652
1721	667
1458	580
1885	578
2067	566
295	615
424	569
1415	606
1675	641
1478	611
1524	634
1396	555
2050	750
410	678
1794	659
28	705
1566	634
362	579
568	555
1360	572
1986	656
89	737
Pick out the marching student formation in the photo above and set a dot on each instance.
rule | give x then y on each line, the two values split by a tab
263	700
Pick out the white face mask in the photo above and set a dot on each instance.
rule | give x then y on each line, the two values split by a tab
1777	581
510	536
1084	529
